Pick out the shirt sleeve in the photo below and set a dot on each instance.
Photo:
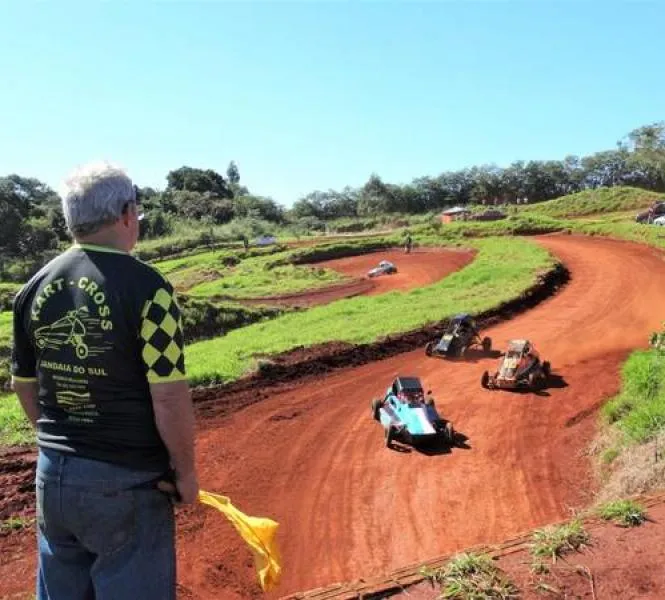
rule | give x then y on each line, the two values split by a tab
161	336
23	361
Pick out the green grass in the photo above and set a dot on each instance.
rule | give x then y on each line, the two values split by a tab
471	576
459	231
638	411
502	269
15	429
626	513
263	272
555	541
6	332
6	328
15	523
7	293
254	278
593	202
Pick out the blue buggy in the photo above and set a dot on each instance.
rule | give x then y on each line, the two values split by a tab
409	415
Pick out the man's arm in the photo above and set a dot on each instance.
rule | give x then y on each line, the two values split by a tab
174	417
24	363
28	392
163	355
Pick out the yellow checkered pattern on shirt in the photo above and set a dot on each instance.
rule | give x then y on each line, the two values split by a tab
162	338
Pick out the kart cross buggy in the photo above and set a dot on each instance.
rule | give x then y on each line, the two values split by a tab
385	268
408	415
519	367
461	334
69	330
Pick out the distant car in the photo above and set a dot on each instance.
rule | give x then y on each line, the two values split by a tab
410	416
266	240
461	334
657	209
519	367
385	268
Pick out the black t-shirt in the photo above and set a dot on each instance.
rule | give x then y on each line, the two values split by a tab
94	327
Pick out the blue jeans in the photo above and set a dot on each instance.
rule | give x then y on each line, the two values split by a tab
104	532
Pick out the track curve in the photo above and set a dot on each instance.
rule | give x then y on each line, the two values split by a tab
417	269
313	459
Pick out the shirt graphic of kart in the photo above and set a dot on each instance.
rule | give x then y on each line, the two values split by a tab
70	330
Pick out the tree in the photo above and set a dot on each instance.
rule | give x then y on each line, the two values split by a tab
197	180
14	211
232	173
258	207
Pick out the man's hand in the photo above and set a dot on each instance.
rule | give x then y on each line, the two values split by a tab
28	395
174	417
188	488
183	490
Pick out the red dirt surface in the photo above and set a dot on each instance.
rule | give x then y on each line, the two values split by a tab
311	457
621	563
419	268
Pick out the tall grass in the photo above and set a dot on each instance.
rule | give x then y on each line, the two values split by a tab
598	201
15	429
6	328
459	231
639	410
503	268
6	331
255	278
7	293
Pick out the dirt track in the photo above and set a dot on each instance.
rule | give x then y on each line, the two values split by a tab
313	459
417	269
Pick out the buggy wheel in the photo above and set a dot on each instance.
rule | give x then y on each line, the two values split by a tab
450	433
389	435
376	405
533	380
547	369
485	380
429	348
487	344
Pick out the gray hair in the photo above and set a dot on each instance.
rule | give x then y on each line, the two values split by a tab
94	196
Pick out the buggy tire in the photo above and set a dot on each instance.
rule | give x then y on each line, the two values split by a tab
485	380
376	405
450	434
429	348
389	435
547	369
487	344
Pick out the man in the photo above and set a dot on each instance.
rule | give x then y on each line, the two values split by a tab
98	366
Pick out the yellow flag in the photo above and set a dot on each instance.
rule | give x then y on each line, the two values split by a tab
259	533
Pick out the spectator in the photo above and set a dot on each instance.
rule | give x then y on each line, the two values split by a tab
98	366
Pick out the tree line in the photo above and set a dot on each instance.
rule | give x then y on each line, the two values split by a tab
31	220
638	160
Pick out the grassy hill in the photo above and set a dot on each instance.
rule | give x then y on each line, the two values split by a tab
593	202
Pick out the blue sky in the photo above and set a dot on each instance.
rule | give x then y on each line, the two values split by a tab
315	95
